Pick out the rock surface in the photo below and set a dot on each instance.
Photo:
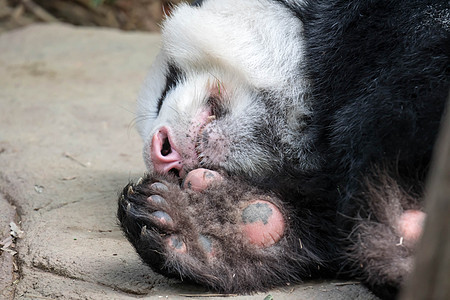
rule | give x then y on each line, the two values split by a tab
67	146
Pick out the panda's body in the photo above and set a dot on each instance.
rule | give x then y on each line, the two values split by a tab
326	109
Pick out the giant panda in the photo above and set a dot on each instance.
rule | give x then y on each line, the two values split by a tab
289	139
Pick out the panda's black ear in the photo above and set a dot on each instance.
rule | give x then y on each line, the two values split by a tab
197	3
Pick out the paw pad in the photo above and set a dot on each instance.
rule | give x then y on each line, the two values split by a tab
199	179
206	243
176	243
163	218
262	223
156	200
410	224
159	187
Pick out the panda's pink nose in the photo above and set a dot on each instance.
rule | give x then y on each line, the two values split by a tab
164	156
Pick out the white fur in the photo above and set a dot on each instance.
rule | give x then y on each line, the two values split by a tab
223	33
246	46
265	55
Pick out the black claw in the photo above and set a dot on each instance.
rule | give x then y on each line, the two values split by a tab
144	230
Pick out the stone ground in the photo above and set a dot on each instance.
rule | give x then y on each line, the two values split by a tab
67	146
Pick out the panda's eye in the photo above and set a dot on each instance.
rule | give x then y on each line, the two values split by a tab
173	76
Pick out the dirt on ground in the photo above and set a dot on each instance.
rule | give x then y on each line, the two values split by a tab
142	15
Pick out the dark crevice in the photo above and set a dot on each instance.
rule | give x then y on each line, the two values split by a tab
4	183
174	172
166	148
58	206
16	218
62	273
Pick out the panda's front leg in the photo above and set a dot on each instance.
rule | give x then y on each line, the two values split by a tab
213	230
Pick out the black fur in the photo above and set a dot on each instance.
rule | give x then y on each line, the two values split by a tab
197	2
379	74
381	71
173	76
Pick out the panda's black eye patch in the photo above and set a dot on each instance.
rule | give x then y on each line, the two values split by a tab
197	3
173	76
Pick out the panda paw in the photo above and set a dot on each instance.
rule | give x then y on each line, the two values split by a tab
209	229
